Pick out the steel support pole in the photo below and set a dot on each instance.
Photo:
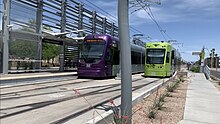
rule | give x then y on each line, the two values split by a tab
5	33
104	25
94	22
63	29
39	18
126	79
112	29
80	18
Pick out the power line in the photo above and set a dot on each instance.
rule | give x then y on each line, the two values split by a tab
151	15
164	31
109	14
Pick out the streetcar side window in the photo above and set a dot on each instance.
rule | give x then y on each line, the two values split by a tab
172	56
108	56
168	57
116	57
135	57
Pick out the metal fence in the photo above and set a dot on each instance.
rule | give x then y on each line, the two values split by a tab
29	19
58	16
207	72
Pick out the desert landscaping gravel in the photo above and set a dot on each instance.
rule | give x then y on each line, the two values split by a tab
172	111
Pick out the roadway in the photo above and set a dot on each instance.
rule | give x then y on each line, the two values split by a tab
215	72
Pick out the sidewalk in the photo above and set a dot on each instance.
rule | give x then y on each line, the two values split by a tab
202	101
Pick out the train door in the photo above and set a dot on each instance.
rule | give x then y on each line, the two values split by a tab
108	62
115	61
168	64
173	62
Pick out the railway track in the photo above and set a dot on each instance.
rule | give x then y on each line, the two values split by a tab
95	105
89	91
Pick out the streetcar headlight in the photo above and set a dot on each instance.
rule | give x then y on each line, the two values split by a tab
81	61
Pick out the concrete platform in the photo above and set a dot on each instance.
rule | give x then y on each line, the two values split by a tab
5	77
202	101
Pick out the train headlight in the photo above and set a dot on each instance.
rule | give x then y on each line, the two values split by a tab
81	61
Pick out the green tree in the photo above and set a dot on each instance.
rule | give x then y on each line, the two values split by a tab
50	51
28	49
20	48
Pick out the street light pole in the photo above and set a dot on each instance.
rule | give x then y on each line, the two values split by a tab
212	56
125	49
202	57
216	61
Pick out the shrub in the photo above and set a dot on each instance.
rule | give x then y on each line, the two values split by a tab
159	105
162	97
170	88
195	69
167	94
152	113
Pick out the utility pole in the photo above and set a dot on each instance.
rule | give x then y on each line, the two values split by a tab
216	61
202	56
125	49
212	56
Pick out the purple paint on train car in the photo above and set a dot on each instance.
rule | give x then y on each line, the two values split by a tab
93	59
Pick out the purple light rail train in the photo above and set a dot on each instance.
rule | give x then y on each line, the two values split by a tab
99	57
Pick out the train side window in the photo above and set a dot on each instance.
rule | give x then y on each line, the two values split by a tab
116	58
108	55
172	55
143	58
135	58
168	57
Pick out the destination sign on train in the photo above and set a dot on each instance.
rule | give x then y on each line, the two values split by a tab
94	40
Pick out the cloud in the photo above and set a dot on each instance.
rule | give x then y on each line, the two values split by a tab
104	8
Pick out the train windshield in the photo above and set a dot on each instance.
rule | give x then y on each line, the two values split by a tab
155	56
92	49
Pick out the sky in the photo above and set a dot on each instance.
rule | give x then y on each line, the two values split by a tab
194	24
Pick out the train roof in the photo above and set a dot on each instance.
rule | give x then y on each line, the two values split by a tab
158	43
107	37
102	36
137	48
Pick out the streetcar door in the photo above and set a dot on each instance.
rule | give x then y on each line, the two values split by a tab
108	62
115	61
173	61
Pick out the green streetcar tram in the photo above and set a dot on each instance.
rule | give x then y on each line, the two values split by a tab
162	60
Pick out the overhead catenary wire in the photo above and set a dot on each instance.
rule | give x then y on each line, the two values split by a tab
152	18
113	18
151	15
164	31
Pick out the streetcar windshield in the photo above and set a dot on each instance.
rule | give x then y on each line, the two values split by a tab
92	49
155	56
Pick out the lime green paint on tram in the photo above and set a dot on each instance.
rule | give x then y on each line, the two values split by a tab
161	59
